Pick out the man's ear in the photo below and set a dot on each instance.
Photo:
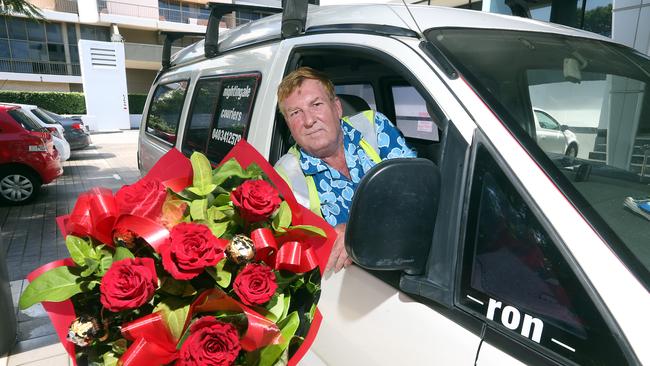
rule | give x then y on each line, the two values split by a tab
339	108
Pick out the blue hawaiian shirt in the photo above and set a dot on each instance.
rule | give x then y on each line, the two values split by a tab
335	190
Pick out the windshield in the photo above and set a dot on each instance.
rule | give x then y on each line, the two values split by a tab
579	106
24	120
43	116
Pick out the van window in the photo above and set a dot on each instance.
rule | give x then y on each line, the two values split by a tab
411	115
165	110
364	91
220	114
515	276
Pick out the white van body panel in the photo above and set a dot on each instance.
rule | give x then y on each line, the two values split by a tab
367	322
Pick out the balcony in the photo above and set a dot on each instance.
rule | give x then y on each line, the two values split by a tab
181	15
39	67
64	6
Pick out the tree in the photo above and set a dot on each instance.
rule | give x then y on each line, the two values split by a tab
20	7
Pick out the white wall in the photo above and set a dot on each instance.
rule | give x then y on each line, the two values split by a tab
631	23
104	78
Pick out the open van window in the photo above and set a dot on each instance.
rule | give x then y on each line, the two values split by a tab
598	93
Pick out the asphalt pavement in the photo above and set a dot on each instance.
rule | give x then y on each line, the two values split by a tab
31	238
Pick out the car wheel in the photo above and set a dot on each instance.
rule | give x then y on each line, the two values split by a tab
572	151
18	186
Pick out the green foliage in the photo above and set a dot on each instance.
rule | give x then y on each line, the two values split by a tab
64	102
175	311
288	326
136	103
57	284
57	102
599	20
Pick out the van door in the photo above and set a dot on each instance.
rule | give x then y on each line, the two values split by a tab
367	319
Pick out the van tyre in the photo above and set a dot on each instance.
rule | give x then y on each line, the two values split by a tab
18	186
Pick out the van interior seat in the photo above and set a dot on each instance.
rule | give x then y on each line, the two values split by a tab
352	104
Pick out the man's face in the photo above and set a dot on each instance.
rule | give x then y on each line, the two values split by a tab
313	119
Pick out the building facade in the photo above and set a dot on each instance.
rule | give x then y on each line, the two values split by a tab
44	56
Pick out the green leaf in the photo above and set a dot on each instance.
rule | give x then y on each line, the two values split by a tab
230	168
119	346
57	284
218	228
122	253
174	311
311	229
214	214
254	171
221	200
282	218
288	326
177	288
287	303
222	276
79	249
198	209
275	308
110	359
202	181
91	266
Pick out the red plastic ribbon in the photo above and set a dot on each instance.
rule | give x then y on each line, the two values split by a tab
61	313
261	331
153	343
265	244
173	170
151	231
94	215
294	256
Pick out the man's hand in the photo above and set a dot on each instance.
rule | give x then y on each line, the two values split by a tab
339	257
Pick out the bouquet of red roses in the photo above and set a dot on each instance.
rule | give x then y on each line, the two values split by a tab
190	265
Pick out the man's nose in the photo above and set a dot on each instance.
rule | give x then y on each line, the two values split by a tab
310	119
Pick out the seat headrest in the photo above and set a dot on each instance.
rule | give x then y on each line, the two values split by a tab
352	104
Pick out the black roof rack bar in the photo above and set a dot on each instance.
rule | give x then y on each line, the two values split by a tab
218	10
170	37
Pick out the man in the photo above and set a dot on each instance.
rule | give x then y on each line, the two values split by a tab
331	154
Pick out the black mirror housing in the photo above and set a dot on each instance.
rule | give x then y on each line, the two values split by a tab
393	214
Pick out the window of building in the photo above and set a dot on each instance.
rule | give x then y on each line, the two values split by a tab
165	110
95	33
173	11
3	27
516	277
596	17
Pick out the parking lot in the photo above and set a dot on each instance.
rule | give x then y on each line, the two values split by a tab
31	238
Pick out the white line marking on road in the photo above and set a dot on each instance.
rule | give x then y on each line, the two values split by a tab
117	177
563	345
475	300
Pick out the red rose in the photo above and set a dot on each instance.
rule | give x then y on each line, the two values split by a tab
256	200
128	284
210	342
255	284
191	247
143	198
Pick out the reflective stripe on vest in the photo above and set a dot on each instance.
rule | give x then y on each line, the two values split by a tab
304	187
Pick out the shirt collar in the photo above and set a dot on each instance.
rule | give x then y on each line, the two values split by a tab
311	165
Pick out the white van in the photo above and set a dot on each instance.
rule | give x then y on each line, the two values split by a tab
487	250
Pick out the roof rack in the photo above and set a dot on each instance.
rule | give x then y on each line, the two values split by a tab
218	10
171	37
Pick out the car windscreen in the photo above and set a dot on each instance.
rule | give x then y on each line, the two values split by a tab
581	108
43	116
25	121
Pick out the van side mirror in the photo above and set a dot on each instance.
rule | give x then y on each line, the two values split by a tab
393	214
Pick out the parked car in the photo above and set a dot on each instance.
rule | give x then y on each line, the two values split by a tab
552	136
483	251
74	130
45	121
28	158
